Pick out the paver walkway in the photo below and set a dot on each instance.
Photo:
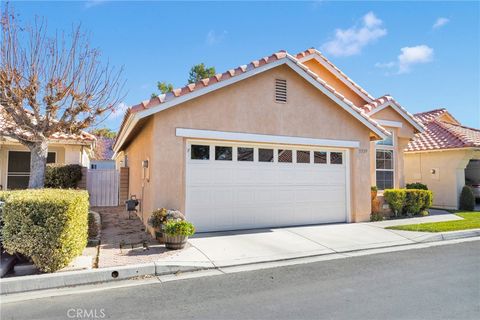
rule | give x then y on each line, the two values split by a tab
118	228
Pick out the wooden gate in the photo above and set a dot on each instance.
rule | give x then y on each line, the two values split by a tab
103	188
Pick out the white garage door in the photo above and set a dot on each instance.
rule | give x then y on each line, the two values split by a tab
242	186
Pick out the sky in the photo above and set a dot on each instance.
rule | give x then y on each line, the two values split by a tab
425	54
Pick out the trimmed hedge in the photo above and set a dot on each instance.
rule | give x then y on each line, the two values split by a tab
49	226
63	176
467	199
408	201
417	185
396	199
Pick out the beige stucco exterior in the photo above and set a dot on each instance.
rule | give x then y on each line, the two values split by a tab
65	154
442	171
247	106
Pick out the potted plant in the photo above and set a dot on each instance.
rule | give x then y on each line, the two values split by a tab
373	192
176	233
161	216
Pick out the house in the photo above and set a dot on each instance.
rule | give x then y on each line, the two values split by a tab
445	157
284	140
15	158
102	155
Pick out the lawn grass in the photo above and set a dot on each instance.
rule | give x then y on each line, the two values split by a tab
471	220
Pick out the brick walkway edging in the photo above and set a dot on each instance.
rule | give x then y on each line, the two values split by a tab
75	278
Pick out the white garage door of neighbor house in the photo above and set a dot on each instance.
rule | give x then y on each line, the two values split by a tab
242	186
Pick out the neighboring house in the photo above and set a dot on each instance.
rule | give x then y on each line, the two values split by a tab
15	158
102	155
284	140
445	157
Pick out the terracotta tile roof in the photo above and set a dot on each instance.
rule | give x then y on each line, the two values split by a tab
8	126
103	148
379	102
343	75
441	135
163	98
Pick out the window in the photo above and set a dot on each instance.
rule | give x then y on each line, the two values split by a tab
223	153
265	155
384	165
303	156
285	156
200	152
336	158
93	166
384	169
19	168
244	154
280	91
319	157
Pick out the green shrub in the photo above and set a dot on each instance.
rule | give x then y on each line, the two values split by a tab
467	199
396	199
417	185
179	228
49	226
63	176
373	188
417	201
375	216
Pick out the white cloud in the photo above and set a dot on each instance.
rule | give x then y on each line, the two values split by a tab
440	22
408	57
93	3
413	55
214	37
348	42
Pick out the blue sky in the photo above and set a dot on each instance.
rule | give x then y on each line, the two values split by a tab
425	54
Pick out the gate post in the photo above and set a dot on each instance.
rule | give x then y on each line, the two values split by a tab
123	193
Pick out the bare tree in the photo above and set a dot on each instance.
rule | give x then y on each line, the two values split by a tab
51	84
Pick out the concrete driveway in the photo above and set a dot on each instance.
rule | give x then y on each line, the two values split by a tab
222	249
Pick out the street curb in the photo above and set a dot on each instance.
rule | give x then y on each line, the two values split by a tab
92	276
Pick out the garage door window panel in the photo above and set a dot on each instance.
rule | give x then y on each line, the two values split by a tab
200	152
265	155
244	154
303	156
320	157
223	153
285	156
336	158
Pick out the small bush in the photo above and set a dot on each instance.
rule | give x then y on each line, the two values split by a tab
179	228
467	199
49	226
376	216
413	201
396	199
417	185
63	176
92	226
373	188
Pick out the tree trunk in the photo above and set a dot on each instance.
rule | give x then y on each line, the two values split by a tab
38	163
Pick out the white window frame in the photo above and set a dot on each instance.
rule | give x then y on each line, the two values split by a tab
22	174
386	148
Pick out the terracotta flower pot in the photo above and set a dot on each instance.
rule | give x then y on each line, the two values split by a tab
373	194
174	242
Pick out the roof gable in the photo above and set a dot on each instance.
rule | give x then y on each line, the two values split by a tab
205	86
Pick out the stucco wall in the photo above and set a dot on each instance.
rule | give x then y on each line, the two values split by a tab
334	82
247	106
65	154
140	182
449	177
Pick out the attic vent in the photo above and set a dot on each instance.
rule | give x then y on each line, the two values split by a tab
280	91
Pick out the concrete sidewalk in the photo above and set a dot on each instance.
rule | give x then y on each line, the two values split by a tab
220	249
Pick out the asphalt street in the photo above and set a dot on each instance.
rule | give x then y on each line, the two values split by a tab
440	282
